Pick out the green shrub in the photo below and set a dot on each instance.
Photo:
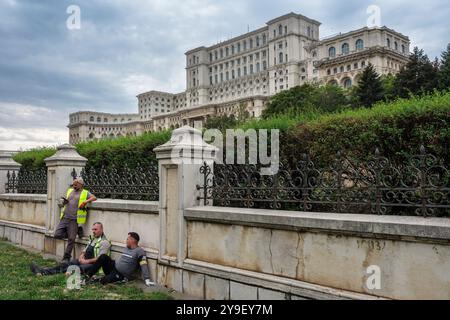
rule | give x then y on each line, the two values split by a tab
126	150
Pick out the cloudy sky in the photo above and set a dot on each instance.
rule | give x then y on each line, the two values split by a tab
125	47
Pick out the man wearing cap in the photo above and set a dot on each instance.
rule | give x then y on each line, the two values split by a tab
73	214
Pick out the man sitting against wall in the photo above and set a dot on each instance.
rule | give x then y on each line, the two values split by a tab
98	245
73	215
122	270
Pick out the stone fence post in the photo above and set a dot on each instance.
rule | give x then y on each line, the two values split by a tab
59	178
6	164
179	162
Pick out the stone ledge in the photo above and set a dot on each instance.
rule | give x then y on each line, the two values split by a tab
406	228
23	197
131	206
23	226
291	286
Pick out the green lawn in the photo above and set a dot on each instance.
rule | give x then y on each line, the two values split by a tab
18	283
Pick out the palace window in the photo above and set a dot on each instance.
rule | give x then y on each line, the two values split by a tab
347	83
359	44
332	52
345	48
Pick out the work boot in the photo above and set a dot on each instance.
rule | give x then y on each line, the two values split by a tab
35	269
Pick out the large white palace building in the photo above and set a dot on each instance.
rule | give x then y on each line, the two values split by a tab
247	70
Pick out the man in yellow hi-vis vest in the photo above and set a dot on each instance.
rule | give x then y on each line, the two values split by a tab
98	245
73	214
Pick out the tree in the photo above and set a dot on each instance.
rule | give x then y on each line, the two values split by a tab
306	97
388	84
369	89
444	72
221	122
419	76
329	98
292	100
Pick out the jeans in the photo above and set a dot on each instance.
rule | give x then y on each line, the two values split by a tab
62	268
108	266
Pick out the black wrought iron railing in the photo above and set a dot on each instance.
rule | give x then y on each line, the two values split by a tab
138	183
419	187
32	181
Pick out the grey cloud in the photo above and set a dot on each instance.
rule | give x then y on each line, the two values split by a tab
127	46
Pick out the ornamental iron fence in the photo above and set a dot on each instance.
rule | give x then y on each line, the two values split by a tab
419	187
31	181
138	183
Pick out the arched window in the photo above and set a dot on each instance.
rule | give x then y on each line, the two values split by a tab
91	119
280	30
359	44
280	59
388	42
99	119
257	41
396	46
332	52
309	31
403	49
105	120
347	83
264	39
345	48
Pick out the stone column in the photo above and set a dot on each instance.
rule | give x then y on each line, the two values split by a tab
59	178
6	164
179	162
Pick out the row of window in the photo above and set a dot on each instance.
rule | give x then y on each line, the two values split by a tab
105	120
359	45
236	48
227	76
345	49
396	47
239	93
348	68
232	63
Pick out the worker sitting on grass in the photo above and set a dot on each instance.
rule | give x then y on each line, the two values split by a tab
98	245
122	270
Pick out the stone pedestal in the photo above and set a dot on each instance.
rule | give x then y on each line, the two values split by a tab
179	162
6	164
59	178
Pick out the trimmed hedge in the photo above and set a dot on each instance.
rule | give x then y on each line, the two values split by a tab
398	129
126	150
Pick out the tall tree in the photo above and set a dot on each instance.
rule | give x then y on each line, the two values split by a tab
369	89
419	76
444	72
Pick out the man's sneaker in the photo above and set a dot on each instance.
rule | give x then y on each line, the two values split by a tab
65	261
36	270
80	232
